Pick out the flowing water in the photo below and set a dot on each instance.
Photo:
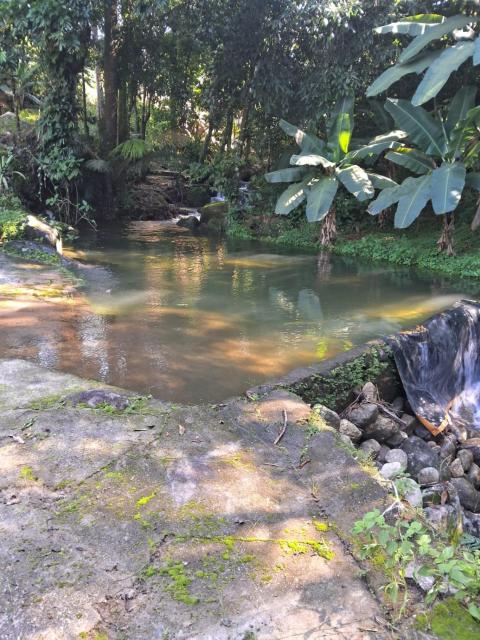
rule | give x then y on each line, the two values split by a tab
191	318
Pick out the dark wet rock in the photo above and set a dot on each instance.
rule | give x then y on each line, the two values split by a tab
471	523
468	495
428	475
422	432
474	475
196	195
419	455
348	429
331	418
466	458
363	415
456	468
382	429
371	447
190	222
397	405
397	455
473	445
410	423
95	397
382	454
397	439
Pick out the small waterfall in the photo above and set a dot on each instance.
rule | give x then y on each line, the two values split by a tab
439	364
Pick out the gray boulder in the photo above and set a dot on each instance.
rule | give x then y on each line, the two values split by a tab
382	429
363	415
397	455
428	475
347	428
410	423
382	454
448	449
468	495
397	439
456	468
474	475
331	418
419	455
391	470
370	447
466	458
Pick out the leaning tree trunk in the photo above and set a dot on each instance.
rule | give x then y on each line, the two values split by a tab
445	242
206	142
328	232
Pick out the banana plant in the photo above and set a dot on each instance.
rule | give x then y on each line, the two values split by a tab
437	64
323	165
437	152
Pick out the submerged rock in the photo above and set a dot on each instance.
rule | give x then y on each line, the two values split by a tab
96	397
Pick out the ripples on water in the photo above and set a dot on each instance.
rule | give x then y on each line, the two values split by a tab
190	318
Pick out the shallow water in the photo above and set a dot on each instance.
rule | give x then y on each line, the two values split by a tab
190	318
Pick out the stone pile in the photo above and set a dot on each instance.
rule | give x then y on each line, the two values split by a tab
440	474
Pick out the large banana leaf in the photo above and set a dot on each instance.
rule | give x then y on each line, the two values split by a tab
420	126
473	180
440	70
461	103
292	196
311	160
320	198
373	149
411	159
341	126
356	180
398	71
385	199
293	174
307	142
410	205
476	53
381	182
447	186
413	25
436	32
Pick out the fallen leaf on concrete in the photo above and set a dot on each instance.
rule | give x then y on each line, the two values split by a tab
181	429
17	439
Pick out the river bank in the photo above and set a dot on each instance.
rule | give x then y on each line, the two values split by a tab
415	247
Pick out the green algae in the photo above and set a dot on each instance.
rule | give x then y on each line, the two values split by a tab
145	499
26	473
449	620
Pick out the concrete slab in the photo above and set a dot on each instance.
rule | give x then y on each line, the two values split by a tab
176	522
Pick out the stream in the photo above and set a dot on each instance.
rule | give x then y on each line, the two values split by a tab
195	319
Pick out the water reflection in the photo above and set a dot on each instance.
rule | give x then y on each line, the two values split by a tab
199	319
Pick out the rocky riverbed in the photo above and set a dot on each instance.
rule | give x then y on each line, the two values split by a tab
442	473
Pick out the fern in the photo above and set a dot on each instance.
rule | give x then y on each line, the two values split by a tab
132	150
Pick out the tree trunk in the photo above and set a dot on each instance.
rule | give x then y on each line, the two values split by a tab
445	242
110	75
123	119
328	232
206	143
227	134
84	104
